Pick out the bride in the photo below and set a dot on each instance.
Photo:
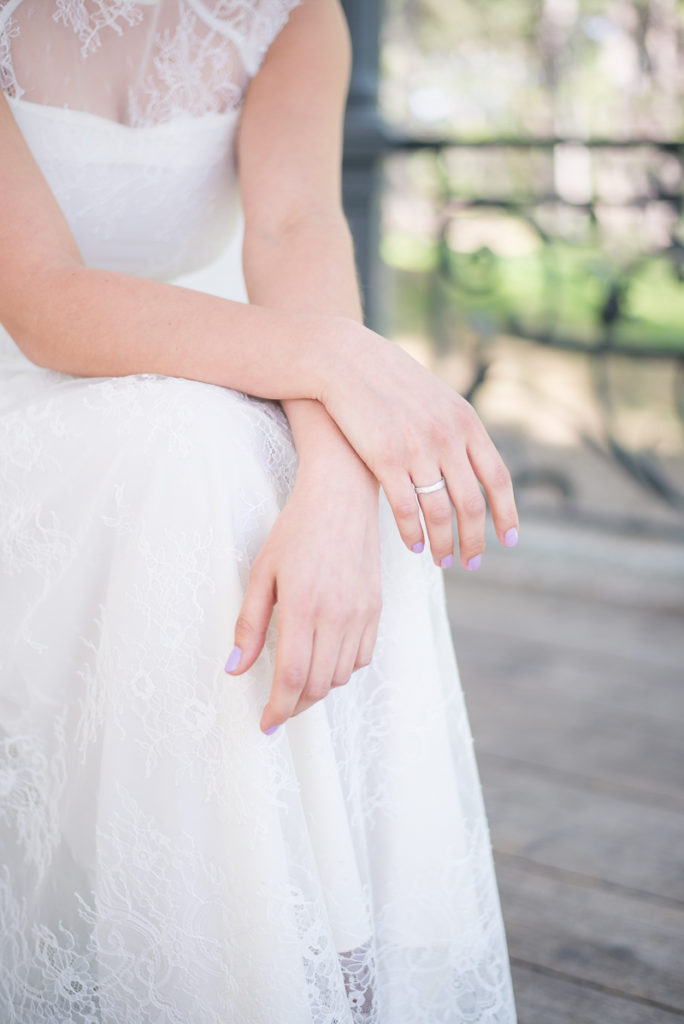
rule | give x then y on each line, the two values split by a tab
237	781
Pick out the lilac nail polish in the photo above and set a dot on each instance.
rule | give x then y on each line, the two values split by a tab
233	659
447	561
418	547
511	537
271	729
474	563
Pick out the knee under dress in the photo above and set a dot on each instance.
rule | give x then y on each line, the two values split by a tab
161	860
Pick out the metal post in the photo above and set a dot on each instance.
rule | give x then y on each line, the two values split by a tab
363	144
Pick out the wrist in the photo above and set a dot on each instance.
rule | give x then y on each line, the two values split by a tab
336	352
336	467
329	490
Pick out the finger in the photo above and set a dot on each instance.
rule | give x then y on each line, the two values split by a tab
438	516
293	660
492	472
402	498
471	510
346	659
302	704
326	645
253	619
364	654
326	649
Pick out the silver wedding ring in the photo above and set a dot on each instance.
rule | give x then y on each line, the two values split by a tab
432	487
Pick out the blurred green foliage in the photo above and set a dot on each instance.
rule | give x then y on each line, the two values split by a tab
541	234
512	292
543	67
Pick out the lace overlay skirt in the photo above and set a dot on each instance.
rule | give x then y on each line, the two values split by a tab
160	859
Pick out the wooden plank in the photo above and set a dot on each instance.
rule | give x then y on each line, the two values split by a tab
520	708
556	556
549	999
577	708
574	685
566	733
608	939
605	678
576	623
596	834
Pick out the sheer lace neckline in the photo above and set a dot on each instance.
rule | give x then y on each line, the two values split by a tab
136	62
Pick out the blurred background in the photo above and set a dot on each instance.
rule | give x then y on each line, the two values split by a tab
513	178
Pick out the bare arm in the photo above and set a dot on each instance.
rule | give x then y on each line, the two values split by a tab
321	561
407	426
298	251
90	322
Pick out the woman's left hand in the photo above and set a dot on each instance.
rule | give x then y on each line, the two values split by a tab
321	563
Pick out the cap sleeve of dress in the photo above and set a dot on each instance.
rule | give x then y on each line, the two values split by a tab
252	26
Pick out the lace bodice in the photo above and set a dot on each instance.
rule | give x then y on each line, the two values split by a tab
139	62
130	109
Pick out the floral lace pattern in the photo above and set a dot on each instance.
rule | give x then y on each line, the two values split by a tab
194	72
161	861
88	19
197	57
181	868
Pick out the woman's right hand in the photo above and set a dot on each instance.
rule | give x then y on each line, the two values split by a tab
411	428
321	563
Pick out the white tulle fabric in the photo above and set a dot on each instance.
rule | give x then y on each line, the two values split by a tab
161	861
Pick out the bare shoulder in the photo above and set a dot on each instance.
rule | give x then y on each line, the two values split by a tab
314	40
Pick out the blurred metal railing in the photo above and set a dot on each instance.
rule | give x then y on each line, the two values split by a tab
369	141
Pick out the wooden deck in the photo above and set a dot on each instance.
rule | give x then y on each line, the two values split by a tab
571	651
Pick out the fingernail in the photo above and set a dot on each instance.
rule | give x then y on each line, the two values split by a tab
233	659
447	561
271	729
475	562
511	537
418	547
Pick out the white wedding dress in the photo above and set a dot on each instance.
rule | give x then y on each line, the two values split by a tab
161	860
